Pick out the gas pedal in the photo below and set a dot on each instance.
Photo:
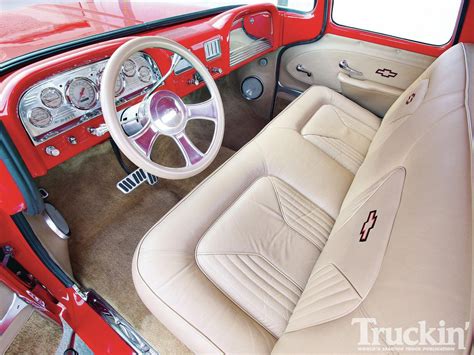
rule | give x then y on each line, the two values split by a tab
135	179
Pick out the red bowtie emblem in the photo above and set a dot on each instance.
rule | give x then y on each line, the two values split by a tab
368	226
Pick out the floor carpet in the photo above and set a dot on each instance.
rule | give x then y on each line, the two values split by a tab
39	336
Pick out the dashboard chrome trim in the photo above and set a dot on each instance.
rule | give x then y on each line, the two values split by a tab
67	116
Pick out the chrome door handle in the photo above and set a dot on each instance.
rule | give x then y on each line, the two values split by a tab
345	66
302	69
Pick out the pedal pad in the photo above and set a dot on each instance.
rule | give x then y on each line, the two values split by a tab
135	179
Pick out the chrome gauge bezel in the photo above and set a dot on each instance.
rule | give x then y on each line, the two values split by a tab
55	90
140	78
71	100
67	115
134	68
48	112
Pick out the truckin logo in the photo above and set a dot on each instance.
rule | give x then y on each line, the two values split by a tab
420	337
368	225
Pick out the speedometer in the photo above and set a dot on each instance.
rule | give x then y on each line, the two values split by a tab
82	93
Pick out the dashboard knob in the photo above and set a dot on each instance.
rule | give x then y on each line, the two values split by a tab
216	70
98	131
72	140
193	81
52	151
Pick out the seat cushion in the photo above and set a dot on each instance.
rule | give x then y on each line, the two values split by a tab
269	211
262	249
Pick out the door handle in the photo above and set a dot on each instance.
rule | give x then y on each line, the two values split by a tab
302	69
345	66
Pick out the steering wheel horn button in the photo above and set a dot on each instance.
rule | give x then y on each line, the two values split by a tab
167	112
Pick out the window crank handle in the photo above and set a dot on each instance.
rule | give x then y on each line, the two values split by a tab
301	69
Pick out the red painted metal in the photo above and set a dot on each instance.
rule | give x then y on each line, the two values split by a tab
302	27
29	28
467	31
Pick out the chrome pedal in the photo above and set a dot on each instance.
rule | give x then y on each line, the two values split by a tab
135	179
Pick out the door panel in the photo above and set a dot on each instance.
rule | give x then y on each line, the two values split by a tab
14	313
374	77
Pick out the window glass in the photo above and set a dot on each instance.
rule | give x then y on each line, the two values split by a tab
427	21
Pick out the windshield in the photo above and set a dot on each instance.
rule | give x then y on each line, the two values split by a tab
30	25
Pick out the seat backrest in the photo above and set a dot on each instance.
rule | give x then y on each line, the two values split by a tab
400	250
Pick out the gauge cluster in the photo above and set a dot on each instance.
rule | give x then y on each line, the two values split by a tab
67	99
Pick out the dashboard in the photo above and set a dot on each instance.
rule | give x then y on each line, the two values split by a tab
51	108
66	100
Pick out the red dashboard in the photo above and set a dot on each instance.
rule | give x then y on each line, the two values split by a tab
243	34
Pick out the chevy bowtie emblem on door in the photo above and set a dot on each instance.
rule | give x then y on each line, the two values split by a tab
368	225
386	73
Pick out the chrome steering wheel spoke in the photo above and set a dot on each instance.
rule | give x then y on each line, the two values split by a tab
145	139
192	155
206	110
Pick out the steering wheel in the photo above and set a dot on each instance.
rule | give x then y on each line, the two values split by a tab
162	112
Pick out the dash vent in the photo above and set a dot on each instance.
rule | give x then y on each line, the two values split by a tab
212	49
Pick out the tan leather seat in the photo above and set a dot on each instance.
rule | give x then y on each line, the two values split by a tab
280	248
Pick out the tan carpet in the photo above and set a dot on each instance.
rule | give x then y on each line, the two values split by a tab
39	336
107	225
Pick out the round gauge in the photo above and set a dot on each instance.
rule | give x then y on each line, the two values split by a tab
40	117
119	82
82	93
51	97
129	68
119	85
144	74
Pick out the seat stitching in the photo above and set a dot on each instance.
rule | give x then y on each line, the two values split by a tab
294	283
332	158
317	290
325	218
316	300
307	214
287	188
348	151
315	233
249	271
352	127
244	268
257	255
286	221
251	292
250	262
345	148
306	315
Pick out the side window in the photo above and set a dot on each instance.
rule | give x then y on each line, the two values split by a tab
298	5
427	21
